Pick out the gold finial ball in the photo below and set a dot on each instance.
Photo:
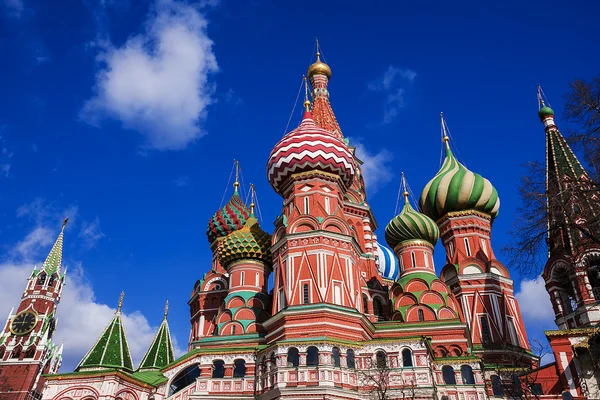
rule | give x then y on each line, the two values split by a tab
319	68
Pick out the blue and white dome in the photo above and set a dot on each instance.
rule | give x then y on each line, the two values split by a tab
387	263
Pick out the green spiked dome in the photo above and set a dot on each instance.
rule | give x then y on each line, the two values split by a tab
111	350
410	225
249	242
544	112
455	188
160	353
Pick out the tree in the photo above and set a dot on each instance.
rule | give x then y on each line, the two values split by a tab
375	377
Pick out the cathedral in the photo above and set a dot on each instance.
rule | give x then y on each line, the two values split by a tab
324	309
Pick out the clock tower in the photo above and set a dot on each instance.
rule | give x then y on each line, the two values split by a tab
26	348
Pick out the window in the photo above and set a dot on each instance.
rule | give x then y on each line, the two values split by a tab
280	299
485	330
239	368
41	279
2	350
421	315
517	389
377	307
242	275
365	303
305	293
567	396
291	207
512	332
350	359
52	279
467	375
451	246
497	387
30	352
448	374
413	259
327	209
335	355
184	378
484	247
337	293
467	247
380	359
293	359
426	256
407	358
312	356
536	389
233	329
16	353
218	369
306	208
257	283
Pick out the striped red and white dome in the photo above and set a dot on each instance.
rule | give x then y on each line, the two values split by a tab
309	148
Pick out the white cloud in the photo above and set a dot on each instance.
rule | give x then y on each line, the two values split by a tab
81	317
91	233
391	84
535	302
158	83
5	169
376	169
14	8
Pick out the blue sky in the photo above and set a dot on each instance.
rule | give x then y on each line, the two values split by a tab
127	116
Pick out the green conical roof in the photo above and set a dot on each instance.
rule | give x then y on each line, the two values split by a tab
54	259
111	349
410	225
455	188
160	353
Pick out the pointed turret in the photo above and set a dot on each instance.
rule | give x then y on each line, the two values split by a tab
54	260
567	186
111	350
160	353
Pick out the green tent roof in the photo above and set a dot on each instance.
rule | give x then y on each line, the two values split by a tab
54	259
160	353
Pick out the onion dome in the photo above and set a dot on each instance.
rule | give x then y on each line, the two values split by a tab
318	68
387	263
455	188
544	112
410	225
309	148
249	242
228	219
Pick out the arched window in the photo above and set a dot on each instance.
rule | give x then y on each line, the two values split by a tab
305	293
30	352
293	360
350	359
52	280
242	276
239	368
306	207
184	378
263	364
381	359
327	207
335	355
365	300
233	329
448	373
218	369
273	361
377	307
407	360
421	315
16	353
467	375
312	356
467	247
41	279
413	260
485	330
497	387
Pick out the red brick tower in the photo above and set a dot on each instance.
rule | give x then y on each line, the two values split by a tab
26	349
464	205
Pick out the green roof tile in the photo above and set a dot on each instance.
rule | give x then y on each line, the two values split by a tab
160	353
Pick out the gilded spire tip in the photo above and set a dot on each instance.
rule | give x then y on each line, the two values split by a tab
404	189
252	198
120	301
166	309
236	184
306	101
445	137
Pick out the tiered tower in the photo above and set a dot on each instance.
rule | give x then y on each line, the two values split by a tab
464	204
26	347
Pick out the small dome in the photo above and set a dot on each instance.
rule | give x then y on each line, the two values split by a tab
411	225
249	242
309	148
387	263
455	188
228	219
545	111
319	68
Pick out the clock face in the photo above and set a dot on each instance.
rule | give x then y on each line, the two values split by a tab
23	323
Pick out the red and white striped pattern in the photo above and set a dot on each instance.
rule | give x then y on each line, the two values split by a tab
309	148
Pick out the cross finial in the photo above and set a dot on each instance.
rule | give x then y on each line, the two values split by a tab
65	223
120	302
252	198
166	308
306	101
445	137
236	184
404	189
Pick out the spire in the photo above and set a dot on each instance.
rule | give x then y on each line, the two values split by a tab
160	353
404	189
54	259
445	137
111	350
236	184
252	199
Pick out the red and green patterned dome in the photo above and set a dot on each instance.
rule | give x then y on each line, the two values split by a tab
249	242
228	219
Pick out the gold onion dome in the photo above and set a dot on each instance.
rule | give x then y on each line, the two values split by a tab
455	188
410	225
249	242
319	68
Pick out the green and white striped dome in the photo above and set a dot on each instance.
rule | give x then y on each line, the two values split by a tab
455	188
410	225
